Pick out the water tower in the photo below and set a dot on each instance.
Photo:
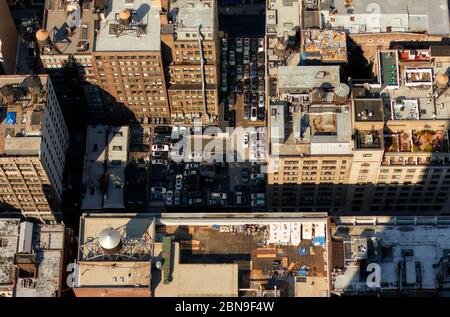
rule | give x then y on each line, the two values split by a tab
110	241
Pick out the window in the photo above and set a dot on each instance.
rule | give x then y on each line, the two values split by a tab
117	148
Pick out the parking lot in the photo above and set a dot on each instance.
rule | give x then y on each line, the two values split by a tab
243	80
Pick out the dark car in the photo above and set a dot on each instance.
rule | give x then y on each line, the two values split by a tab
261	114
239	87
232	73
244	175
261	85
231	87
231	99
254	84
247	84
261	71
232	118
253	71
253	58
246	112
238	58
261	58
247	97
254	99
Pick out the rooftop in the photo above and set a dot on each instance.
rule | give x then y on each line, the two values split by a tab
46	245
423	16
189	14
261	255
369	110
70	25
389	246
294	78
327	46
282	17
21	118
104	167
140	32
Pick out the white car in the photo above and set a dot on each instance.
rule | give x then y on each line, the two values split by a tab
246	140
247	44
224	44
232	58
261	100
179	182
253	114
261	44
246	57
258	203
159	162
160	147
239	46
256	196
169	197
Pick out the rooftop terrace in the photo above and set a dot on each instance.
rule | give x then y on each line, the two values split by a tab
327	46
21	117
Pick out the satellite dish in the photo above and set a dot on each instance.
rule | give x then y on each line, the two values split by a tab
110	240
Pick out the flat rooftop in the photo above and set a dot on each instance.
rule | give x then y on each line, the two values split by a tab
22	114
9	234
427	244
198	280
369	110
263	253
431	16
307	77
282	16
143	33
80	18
188	15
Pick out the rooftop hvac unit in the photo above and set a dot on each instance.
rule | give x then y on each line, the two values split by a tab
25	237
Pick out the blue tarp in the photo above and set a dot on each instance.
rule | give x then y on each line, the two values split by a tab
302	272
216	227
11	118
303	251
319	241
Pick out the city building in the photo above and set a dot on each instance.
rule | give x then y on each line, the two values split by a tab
198	255
8	41
129	65
401	158
310	140
65	45
34	258
33	147
141	261
412	254
324	46
190	37
104	168
365	16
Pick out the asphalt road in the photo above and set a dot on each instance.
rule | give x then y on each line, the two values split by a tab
243	25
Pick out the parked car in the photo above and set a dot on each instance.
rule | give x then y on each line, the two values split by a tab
254	84
261	44
159	162
246	71
253	70
261	100
261	114
195	201
239	72
239	88
247	97
238	198
246	111
177	197
179	182
232	118
160	147
232	58
239	45
247	84
261	71
246	57
231	100
224	84
244	175
247	44
253	114
224	45
169	197
253	58
260	58
260	85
